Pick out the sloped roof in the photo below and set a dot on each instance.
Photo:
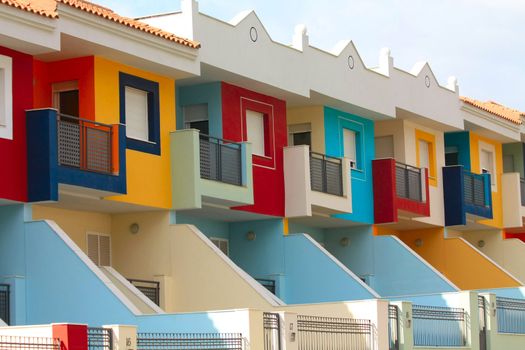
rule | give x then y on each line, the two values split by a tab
497	109
48	8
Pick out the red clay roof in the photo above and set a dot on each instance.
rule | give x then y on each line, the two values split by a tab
48	8
495	108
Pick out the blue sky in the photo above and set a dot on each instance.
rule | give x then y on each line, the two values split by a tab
481	42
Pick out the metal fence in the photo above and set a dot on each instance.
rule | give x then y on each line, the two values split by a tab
439	326
100	338
27	343
84	144
5	293
268	284
408	182
393	327
326	174
474	189
187	341
522	191
150	289
511	315
220	160
482	309
272	331
316	332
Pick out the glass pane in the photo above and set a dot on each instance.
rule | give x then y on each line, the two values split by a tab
302	138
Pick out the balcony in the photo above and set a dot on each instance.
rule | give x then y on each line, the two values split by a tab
400	190
513	200
84	156
468	196
209	170
316	184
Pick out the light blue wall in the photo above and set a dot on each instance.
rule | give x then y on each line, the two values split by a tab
209	93
316	233
211	228
388	266
516	293
313	277
362	190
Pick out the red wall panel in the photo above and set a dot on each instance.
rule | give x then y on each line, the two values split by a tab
13	158
268	174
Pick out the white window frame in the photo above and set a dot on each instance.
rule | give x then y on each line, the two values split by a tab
485	147
223	240
256	151
6	97
98	234
136	137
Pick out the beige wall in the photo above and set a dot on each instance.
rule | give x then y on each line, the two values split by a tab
314	116
394	128
75	223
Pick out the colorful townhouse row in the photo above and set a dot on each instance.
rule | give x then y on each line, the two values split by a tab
183	174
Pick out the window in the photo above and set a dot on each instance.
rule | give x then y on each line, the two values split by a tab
384	146
426	154
196	117
256	132
486	163
300	134
66	98
6	97
99	248
349	142
139	111
451	156
222	244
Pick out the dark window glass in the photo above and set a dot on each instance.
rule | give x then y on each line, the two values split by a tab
69	104
302	138
452	158
202	126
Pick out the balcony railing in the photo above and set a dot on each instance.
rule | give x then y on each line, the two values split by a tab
511	315
408	182
4	303
439	326
84	144
220	160
150	289
522	191
474	189
326	174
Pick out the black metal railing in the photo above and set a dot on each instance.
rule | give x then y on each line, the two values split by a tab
393	327
326	174
220	160
511	315
408	182
267	283
27	343
474	189
482	310
150	289
272	331
522	191
84	144
315	332
439	326
5	297
186	341
100	338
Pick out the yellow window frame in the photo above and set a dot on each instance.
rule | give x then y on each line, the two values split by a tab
431	140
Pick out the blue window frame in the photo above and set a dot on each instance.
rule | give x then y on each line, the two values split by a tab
152	145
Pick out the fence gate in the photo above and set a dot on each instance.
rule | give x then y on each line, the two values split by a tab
482	307
334	333
100	338
393	327
272	331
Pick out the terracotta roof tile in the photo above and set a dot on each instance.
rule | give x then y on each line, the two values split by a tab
495	108
132	23
48	8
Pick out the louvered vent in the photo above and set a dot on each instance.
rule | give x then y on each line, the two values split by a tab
99	249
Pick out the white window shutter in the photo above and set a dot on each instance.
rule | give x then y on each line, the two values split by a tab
255	131
92	247
424	161
104	250
349	144
136	114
